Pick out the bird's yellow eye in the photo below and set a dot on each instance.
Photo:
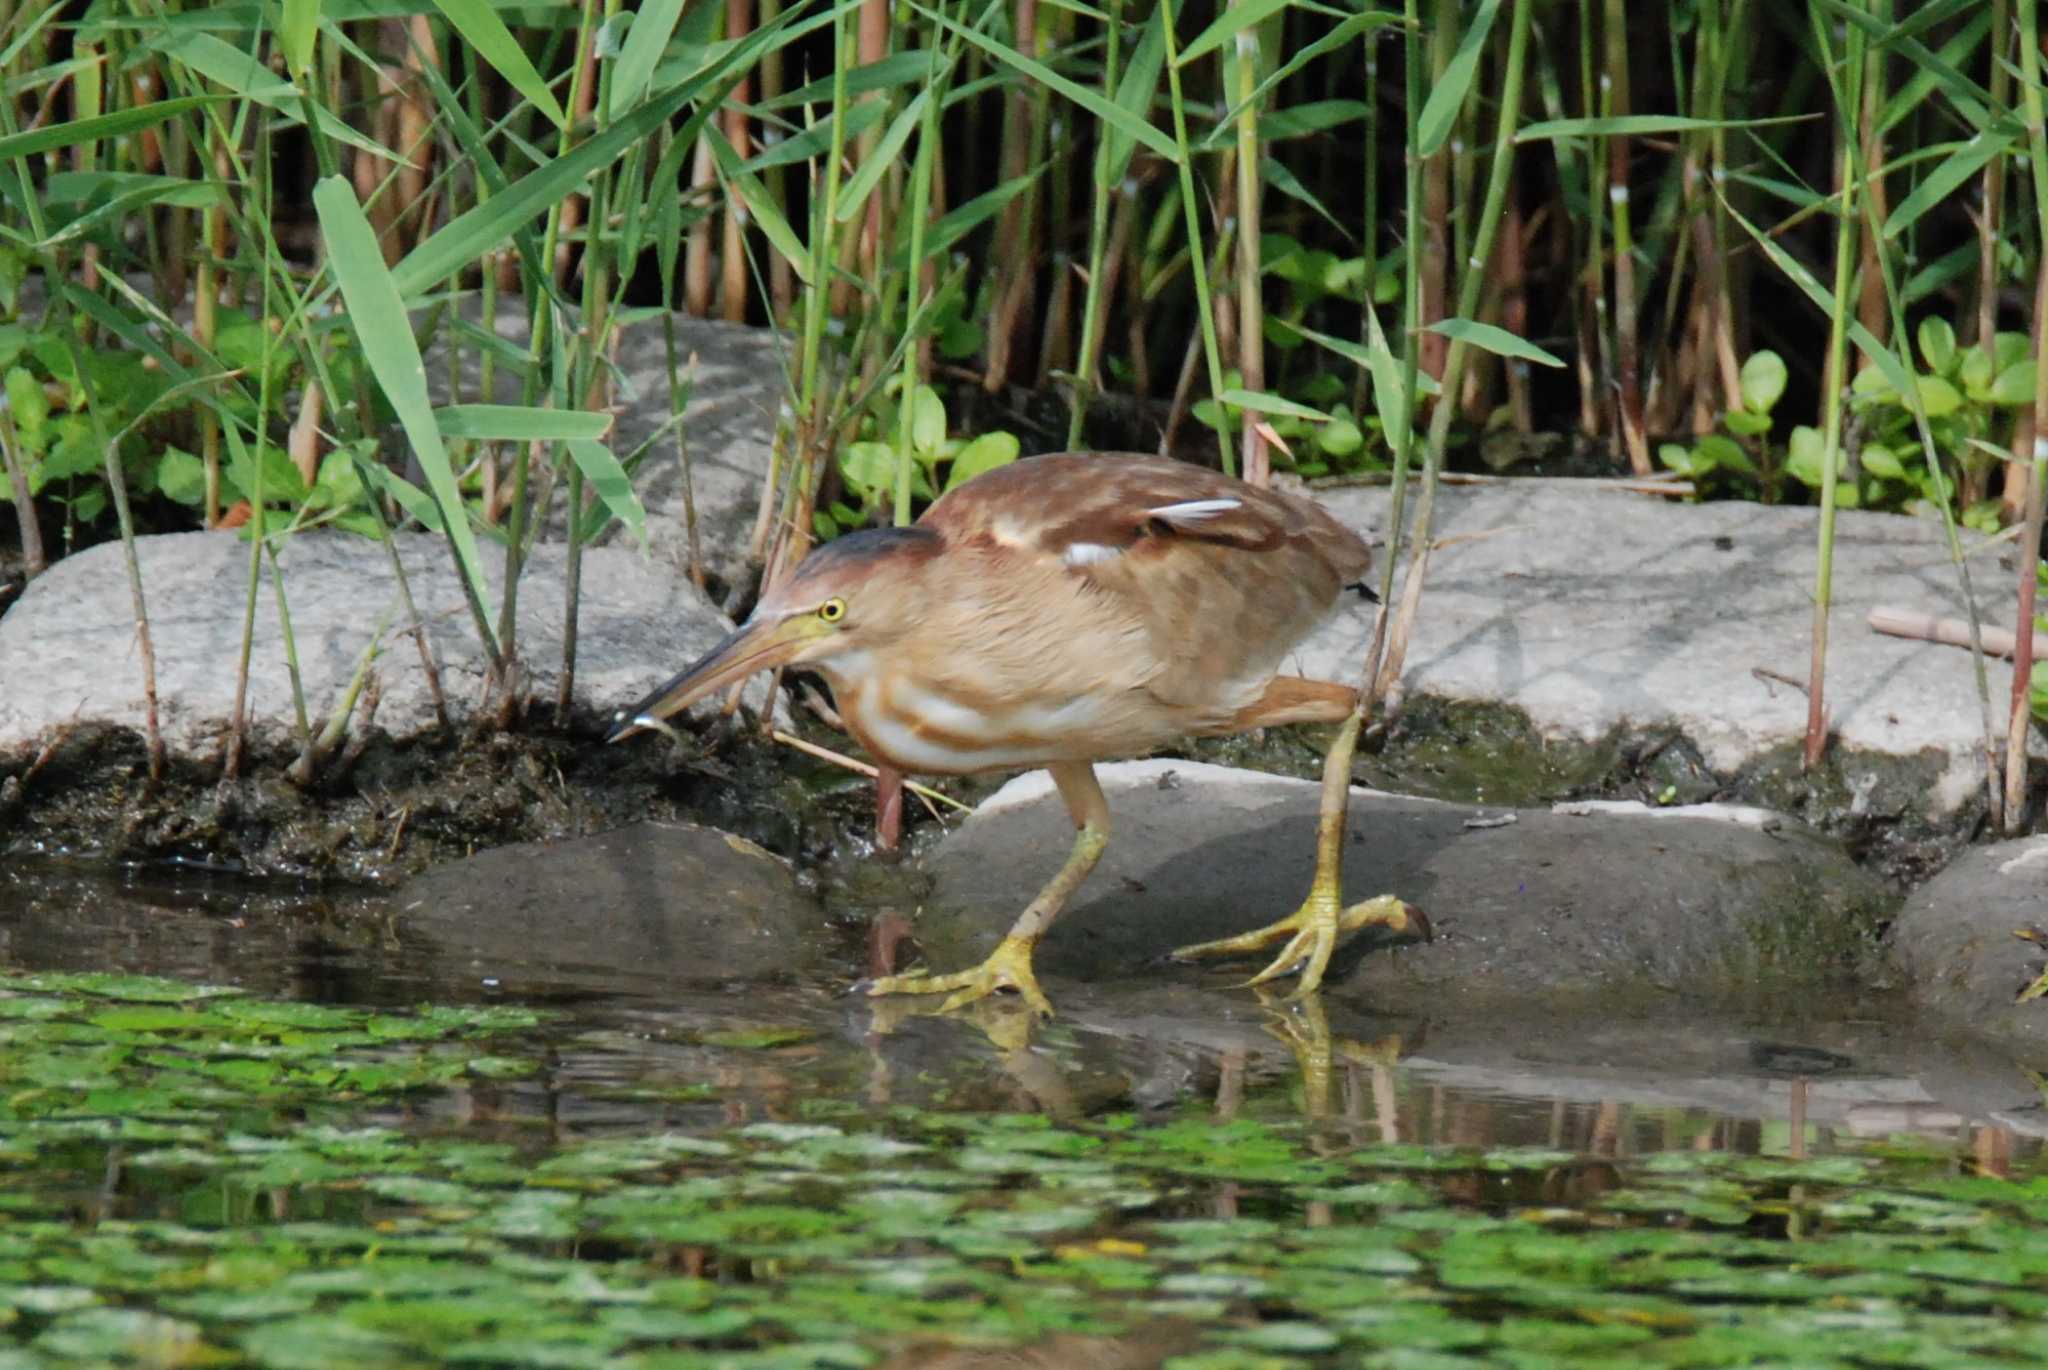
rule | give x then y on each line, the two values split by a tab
832	610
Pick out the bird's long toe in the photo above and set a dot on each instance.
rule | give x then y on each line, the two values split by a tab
1390	912
1007	968
1258	939
1311	934
1307	953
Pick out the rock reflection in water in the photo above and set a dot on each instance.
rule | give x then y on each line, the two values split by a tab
1598	1086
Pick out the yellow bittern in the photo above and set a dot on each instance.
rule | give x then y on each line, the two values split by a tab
1060	611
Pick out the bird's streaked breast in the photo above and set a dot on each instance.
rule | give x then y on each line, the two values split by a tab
922	726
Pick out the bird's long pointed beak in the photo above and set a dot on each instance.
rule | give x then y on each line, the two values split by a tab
749	648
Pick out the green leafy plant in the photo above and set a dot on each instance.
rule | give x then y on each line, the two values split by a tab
1320	432
2038	687
335	497
1971	400
1719	454
1310	407
867	467
155	422
52	429
956	332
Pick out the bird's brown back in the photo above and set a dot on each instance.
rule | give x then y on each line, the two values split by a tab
1207	597
1103	499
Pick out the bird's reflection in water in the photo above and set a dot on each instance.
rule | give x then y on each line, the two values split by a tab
1301	1024
1356	1091
1007	1023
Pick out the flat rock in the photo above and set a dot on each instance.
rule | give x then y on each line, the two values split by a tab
738	375
1954	940
68	645
1606	901
1592	609
737	387
655	903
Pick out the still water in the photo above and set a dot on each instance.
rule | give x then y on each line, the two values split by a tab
252	1127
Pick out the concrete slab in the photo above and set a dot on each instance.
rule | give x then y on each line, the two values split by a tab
1593	609
68	645
738	388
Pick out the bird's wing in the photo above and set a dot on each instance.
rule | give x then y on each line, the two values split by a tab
1091	511
1219	579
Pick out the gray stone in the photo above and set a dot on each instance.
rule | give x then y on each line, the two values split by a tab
1551	903
1954	940
1593	609
68	645
654	904
730	428
739	386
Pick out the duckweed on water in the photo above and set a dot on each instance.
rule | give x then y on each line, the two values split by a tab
193	1177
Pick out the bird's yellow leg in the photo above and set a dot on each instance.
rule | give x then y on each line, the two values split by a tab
1312	931
1009	965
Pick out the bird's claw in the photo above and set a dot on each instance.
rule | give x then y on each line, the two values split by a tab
1008	967
1411	920
1306	954
1279	970
1312	932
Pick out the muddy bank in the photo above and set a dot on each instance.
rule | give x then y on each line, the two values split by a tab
397	808
393	808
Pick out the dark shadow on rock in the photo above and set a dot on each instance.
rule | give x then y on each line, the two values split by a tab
1227	883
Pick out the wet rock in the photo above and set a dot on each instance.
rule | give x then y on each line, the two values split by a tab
638	909
1956	946
68	654
1600	900
1595	610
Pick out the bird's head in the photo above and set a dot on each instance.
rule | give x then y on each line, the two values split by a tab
849	595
